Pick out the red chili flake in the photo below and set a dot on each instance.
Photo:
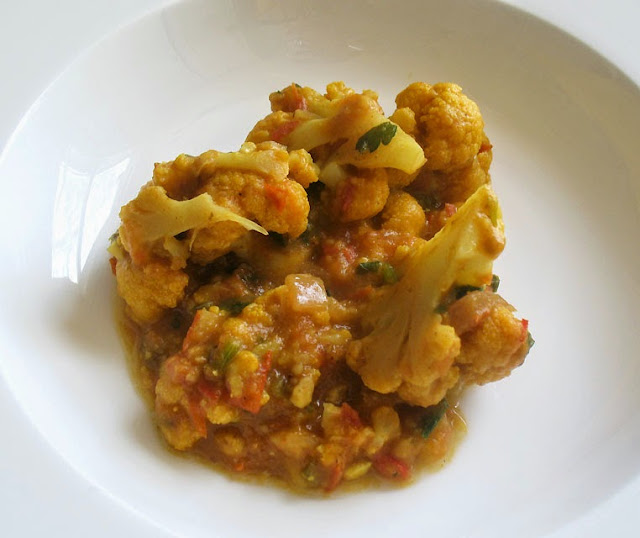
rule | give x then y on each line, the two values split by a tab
350	416
276	195
296	100
113	262
283	130
391	467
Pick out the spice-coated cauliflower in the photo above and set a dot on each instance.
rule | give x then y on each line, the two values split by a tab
448	125
408	348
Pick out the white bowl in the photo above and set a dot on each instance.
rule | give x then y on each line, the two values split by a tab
544	447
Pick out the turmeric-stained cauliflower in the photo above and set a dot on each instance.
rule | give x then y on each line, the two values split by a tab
494	341
309	307
350	138
448	124
408	349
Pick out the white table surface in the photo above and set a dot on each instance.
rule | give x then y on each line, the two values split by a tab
38	39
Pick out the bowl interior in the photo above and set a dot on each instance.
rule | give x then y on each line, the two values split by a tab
543	447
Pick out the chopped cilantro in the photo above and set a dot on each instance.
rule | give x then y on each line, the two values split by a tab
429	202
222	358
234	306
460	291
205	306
369	267
384	269
432	416
380	134
530	340
495	283
389	275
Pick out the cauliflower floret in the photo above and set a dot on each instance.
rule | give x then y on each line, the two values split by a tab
227	192
403	214
295	97
274	126
406	120
179	178
302	168
449	125
149	289
280	205
338	90
494	341
358	196
151	222
408	349
260	191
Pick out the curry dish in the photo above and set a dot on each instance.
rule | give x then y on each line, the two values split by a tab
309	307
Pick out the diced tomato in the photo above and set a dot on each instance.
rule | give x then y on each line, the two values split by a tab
335	477
350	416
191	333
251	399
450	209
362	293
525	328
391	467
113	262
282	131
197	415
208	391
276	195
178	368
294	99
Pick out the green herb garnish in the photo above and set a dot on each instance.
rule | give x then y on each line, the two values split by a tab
205	306
530	340
384	269
429	202
389	275
222	358
432	416
234	306
495	283
369	267
460	291
380	134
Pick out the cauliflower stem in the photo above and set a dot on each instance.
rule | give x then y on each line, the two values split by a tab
408	349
